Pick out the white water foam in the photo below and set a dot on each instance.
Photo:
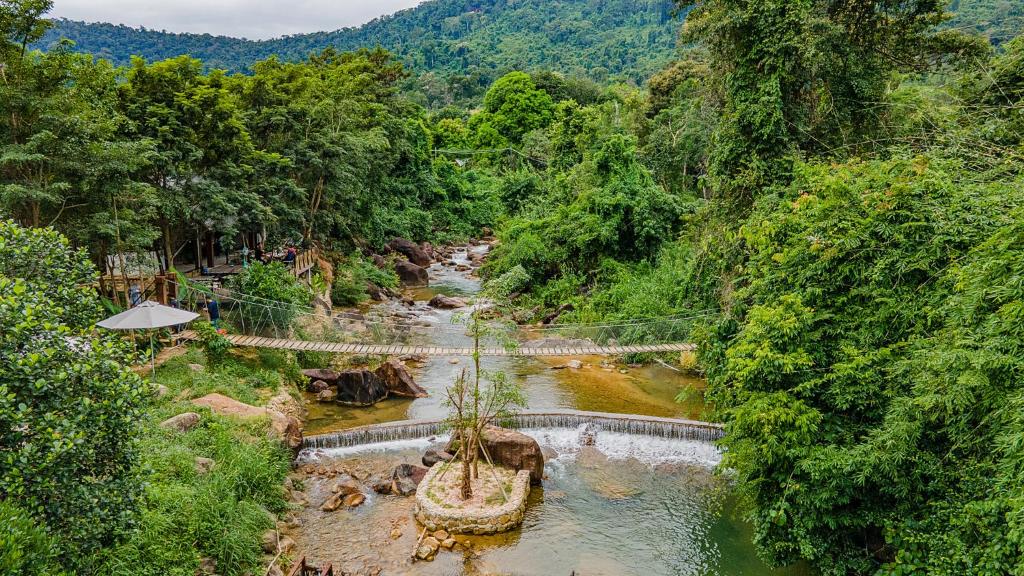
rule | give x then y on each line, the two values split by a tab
565	441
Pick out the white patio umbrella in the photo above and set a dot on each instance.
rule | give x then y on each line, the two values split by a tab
148	316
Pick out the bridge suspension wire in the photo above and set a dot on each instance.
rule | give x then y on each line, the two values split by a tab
295	322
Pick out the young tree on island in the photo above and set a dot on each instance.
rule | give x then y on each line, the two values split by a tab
479	399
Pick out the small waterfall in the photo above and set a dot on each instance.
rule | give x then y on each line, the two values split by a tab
669	428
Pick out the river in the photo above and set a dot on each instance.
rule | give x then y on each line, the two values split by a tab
631	505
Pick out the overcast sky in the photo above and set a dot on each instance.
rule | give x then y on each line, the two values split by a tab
241	18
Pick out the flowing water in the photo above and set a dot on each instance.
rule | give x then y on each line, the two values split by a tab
632	504
650	389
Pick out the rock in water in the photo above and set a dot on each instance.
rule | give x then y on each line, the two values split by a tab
412	275
182	422
360	388
410	250
510	449
446	302
353	500
433	456
405	478
345	487
398	380
375	292
319	379
332	503
327	395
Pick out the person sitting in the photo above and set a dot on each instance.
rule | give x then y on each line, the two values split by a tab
290	255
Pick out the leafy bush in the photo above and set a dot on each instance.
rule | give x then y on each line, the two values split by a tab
25	547
869	373
351	276
270	296
69	408
614	211
214	344
509	283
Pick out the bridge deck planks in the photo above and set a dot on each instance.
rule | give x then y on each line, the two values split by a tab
378	349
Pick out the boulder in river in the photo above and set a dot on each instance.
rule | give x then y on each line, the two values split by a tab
410	274
360	388
447	302
405	478
328	377
398	380
511	449
410	250
375	292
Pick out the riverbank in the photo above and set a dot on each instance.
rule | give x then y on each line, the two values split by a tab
216	485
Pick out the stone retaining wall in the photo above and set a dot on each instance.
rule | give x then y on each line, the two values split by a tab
488	521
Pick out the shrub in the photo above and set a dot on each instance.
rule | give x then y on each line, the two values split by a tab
214	344
275	296
25	547
351	276
69	408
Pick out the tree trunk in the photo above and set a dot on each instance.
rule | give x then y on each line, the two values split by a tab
165	227
467	488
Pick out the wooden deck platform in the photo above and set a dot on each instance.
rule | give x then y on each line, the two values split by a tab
401	350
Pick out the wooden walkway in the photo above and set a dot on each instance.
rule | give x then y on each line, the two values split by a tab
401	350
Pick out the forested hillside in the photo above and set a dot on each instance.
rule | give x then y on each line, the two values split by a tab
457	46
832	192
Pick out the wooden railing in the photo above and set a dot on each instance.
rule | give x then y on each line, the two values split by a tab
305	261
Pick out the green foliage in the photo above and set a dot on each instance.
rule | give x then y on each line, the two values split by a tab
214	344
351	276
270	296
220	514
616	211
458	48
25	547
857	421
68	406
799	75
514	106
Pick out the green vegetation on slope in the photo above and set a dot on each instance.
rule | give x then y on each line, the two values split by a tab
456	47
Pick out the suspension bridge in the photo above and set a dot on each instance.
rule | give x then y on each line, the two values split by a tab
419	330
403	350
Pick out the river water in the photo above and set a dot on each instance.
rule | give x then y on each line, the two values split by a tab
630	505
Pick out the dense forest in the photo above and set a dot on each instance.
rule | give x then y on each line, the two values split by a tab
456	47
838	183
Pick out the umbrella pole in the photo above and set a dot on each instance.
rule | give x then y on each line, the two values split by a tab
152	357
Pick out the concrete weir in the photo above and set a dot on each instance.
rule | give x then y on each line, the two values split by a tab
671	428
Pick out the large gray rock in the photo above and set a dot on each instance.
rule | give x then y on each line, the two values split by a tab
433	456
410	274
405	478
447	302
398	380
315	375
182	422
287	429
511	449
410	250
360	388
